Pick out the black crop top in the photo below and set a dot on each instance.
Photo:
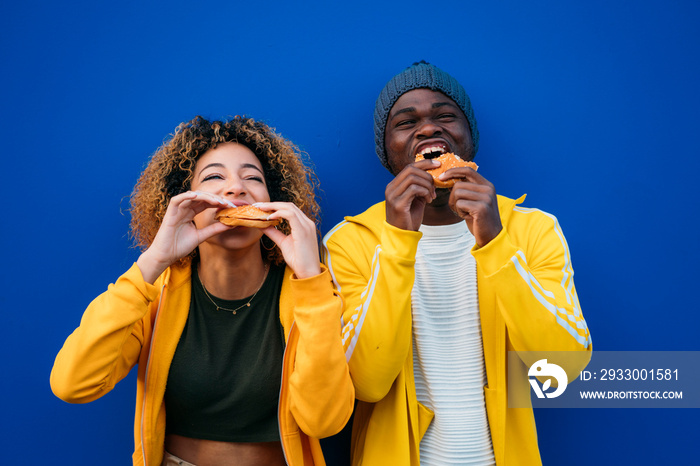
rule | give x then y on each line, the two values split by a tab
224	380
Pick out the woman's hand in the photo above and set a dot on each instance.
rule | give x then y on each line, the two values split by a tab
178	236
300	247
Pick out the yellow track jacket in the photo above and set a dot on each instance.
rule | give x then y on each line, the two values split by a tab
527	302
135	322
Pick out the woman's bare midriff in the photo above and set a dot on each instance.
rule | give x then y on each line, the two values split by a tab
213	453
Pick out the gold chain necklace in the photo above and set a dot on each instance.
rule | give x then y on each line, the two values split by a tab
233	311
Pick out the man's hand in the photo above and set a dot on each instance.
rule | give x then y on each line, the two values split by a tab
408	193
473	198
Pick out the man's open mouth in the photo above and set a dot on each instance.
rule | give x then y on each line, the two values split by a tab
432	152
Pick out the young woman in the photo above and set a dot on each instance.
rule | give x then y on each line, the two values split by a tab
235	330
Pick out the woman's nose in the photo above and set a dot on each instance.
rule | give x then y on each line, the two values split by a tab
235	187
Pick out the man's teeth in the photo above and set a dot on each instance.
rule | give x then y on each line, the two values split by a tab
428	150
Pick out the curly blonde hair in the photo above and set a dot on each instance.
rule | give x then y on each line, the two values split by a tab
170	170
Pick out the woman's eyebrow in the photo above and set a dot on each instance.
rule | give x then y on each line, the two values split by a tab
250	165
212	165
221	165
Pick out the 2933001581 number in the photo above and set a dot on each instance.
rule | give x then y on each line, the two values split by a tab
639	374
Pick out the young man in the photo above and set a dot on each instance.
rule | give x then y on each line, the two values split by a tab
439	285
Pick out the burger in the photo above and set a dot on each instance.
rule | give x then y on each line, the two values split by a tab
447	161
245	216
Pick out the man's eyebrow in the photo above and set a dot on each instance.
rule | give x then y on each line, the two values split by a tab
445	104
404	110
442	104
413	109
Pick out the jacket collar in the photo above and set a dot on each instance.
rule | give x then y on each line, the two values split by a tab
175	276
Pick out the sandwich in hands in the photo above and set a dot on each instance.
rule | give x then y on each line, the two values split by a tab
447	160
245	216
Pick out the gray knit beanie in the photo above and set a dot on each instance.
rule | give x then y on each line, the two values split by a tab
420	75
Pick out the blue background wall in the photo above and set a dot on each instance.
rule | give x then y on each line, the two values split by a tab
589	107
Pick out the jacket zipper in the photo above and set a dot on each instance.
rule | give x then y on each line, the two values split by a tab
148	365
282	392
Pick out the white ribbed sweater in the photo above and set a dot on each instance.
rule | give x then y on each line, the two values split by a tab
448	356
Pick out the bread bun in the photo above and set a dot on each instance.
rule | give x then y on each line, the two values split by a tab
447	160
245	216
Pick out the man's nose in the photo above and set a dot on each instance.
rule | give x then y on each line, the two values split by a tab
428	128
